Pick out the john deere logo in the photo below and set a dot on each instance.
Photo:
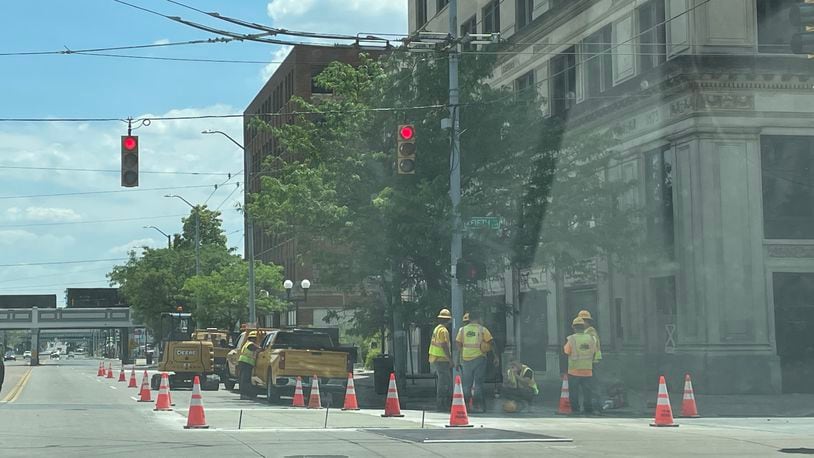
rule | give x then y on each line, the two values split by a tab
185	352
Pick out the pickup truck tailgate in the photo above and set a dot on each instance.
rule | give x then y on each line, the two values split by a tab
305	363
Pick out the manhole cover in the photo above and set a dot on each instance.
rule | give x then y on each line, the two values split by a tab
799	451
454	435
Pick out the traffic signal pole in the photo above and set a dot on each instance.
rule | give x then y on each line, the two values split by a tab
455	175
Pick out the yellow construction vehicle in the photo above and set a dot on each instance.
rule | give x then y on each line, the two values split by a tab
182	357
221	340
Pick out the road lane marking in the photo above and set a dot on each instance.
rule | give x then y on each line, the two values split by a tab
18	388
113	388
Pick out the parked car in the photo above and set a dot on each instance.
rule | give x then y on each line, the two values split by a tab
54	355
10	357
27	354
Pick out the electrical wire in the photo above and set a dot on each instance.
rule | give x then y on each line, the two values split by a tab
65	169
98	221
114	191
34	277
227	197
55	263
118	48
30	287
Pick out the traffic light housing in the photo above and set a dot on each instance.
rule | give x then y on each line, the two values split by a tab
129	161
469	271
406	149
802	15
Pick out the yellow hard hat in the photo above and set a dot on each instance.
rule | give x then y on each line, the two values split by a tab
510	406
444	313
578	321
466	316
585	315
252	334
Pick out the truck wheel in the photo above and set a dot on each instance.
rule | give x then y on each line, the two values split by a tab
211	383
155	382
272	396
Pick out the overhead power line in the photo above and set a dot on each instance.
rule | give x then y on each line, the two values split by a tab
117	48
98	221
54	263
65	169
113	191
65	283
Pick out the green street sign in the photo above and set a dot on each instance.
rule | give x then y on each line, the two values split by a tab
491	222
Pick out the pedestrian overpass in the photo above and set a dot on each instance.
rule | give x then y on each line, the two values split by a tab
36	319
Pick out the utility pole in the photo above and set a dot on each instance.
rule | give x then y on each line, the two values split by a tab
455	173
197	240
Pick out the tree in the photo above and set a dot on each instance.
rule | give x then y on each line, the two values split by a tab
211	230
386	236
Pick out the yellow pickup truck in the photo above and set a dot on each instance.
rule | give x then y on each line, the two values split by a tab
288	353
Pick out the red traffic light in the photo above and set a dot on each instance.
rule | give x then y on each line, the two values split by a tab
407	132
129	143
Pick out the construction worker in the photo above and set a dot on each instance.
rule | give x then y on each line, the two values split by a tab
519	384
474	343
590	329
581	350
441	361
246	363
465	319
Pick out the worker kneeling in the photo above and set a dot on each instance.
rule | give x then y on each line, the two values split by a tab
519	387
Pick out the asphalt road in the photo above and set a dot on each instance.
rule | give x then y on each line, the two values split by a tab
64	409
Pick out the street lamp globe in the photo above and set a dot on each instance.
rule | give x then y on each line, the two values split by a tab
288	284
305	284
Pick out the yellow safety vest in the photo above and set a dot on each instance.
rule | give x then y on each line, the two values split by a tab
246	355
472	340
436	349
583	348
529	382
592	331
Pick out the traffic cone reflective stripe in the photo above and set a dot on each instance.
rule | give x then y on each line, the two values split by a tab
132	383
162	402
314	401
565	398
350	395
145	395
391	405
109	370
688	407
196	418
457	414
664	413
299	399
122	378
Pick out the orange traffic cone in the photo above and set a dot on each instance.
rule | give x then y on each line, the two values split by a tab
391	405
314	401
299	399
196	419
101	371
457	414
664	413
109	370
132	383
162	402
145	395
350	395
565	398
122	378
688	407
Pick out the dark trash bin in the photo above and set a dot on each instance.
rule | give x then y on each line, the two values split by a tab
382	367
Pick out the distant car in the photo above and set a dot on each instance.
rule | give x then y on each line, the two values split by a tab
70	355
10	357
27	354
54	355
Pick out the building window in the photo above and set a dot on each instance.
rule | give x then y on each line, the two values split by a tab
660	164
787	164
652	35
524	87
564	81
523	9
441	4
597	62
420	13
773	28
315	88
491	17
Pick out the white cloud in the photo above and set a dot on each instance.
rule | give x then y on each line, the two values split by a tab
40	214
277	58
279	9
132	245
162	41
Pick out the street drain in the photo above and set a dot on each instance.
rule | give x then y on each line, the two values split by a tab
798	451
475	435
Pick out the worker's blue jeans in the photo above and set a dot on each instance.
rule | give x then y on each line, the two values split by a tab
474	372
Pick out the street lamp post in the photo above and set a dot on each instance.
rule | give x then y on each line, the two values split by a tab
169	240
288	285
249	228
196	210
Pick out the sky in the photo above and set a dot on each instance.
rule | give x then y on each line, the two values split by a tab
67	228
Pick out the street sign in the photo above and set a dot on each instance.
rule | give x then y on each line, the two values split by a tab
491	222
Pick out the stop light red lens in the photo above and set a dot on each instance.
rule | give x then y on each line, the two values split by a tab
129	143
406	132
